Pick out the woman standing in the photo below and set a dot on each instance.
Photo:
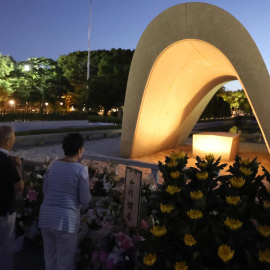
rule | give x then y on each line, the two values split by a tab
66	189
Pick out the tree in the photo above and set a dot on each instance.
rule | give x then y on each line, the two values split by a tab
107	91
108	87
43	82
236	99
74	66
108	77
6	66
217	107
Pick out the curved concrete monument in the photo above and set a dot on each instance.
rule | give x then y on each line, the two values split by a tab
183	57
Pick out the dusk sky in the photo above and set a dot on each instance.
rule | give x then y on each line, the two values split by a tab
50	28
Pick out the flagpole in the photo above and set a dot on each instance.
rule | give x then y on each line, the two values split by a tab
89	35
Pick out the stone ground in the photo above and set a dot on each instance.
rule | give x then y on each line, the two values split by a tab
31	257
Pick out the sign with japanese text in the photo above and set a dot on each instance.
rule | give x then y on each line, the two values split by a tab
132	197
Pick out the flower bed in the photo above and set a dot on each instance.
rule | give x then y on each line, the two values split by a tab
28	204
196	219
209	221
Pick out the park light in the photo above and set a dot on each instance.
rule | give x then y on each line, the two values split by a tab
26	67
46	103
61	103
11	102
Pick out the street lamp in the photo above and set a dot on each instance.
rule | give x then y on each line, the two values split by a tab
26	67
12	103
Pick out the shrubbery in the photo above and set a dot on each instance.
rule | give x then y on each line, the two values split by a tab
17	116
104	119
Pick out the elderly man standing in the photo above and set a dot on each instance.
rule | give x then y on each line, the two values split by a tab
10	184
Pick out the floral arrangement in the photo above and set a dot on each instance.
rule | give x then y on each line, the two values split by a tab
106	244
206	221
107	192
196	219
112	247
104	180
28	204
109	244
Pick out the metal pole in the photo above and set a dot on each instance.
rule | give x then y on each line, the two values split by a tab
89	35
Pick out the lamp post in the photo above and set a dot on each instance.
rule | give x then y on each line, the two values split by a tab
89	34
12	104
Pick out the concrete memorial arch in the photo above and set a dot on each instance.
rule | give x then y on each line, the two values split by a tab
183	57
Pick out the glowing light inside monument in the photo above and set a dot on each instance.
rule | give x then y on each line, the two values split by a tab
217	143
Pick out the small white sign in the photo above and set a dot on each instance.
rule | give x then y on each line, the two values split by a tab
132	197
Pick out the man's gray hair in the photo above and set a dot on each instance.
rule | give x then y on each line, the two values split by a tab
5	133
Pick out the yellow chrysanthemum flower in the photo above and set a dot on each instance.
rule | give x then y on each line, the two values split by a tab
150	259
172	164
245	171
158	231
202	165
225	253
173	156
194	213
173	189
181	266
209	157
244	162
266	204
264	256
166	208
202	175
189	240
233	200
264	230
175	174
179	155
196	195
233	224
237	182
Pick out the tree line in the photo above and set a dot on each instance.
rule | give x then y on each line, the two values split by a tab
62	84
44	83
224	103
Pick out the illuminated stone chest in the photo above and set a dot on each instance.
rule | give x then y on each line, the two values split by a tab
222	144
